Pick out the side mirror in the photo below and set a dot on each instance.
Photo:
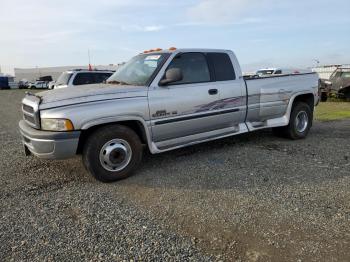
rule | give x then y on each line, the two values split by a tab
171	75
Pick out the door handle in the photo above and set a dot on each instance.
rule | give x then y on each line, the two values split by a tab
212	92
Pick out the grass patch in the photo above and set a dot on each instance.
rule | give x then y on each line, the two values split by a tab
327	111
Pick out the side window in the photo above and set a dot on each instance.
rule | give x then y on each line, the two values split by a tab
278	72
83	79
194	68
100	77
345	75
222	65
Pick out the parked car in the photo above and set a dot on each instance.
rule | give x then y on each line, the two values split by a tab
23	84
38	85
163	100
279	71
337	85
80	77
268	72
51	85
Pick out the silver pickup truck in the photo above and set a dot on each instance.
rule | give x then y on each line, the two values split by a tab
163	100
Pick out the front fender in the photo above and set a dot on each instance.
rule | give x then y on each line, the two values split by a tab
115	119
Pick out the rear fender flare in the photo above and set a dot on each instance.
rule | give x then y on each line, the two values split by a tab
291	101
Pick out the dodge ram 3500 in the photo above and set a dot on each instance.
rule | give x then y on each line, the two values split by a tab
163	100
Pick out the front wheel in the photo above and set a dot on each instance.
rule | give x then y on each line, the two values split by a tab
112	153
299	124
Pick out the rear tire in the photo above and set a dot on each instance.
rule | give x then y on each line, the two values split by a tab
299	124
112	153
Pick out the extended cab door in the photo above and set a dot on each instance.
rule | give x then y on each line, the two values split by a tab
231	90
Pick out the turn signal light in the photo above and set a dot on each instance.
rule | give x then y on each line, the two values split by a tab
155	50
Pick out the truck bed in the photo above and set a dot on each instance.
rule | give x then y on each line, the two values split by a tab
269	97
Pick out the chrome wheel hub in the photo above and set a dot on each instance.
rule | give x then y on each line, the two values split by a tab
115	155
301	121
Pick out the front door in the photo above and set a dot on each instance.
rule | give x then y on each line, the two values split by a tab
183	108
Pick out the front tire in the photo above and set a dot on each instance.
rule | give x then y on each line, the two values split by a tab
112	153
299	124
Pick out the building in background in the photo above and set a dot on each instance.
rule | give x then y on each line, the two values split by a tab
32	74
8	79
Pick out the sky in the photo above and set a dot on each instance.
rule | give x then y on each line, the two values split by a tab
262	33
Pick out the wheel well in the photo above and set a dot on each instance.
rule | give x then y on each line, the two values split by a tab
306	98
135	125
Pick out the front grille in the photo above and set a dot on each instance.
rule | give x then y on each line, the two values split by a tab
30	119
28	109
31	116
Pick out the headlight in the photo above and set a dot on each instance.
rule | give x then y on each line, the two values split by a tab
51	124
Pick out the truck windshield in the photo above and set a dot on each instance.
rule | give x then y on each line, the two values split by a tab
63	79
138	70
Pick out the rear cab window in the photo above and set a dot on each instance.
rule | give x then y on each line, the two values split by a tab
83	79
222	66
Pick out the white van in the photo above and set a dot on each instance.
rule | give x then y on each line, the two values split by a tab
80	77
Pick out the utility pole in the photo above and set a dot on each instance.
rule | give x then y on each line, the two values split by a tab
90	67
89	56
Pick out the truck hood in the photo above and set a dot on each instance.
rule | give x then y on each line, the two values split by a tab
88	93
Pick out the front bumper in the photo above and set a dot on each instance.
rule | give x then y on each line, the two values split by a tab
49	145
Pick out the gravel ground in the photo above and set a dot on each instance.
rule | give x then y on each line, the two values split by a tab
253	197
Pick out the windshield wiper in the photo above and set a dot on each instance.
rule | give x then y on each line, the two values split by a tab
115	82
